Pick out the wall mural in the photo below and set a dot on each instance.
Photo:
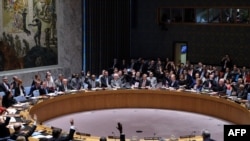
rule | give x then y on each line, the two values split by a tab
28	36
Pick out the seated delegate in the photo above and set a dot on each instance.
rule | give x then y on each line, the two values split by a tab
56	133
4	131
18	130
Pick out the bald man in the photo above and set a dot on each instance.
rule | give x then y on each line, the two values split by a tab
65	86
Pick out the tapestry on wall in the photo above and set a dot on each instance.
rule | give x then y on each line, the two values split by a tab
29	34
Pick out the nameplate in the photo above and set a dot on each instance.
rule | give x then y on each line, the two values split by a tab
151	138
113	137
187	136
83	134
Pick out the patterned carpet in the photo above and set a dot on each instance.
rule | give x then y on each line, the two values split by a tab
140	123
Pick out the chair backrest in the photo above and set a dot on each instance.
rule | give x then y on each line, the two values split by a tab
20	98
27	90
229	92
36	93
13	91
2	94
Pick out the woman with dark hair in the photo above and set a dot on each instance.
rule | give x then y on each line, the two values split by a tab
8	100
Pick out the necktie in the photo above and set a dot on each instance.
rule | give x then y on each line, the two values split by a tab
143	83
6	86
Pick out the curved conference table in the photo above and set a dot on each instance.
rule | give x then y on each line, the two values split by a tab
160	99
81	101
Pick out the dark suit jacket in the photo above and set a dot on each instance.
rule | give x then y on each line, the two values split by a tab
3	88
97	84
5	132
67	138
42	91
174	84
6	102
165	81
32	89
147	83
103	81
18	92
220	89
26	135
62	89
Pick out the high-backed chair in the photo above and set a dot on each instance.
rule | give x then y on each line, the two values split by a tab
2	94
36	93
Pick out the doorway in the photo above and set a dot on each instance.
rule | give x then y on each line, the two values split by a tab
180	52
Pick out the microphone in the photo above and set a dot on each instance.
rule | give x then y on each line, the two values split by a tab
154	136
192	135
114	135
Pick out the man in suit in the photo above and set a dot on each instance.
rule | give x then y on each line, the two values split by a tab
220	88
166	79
65	86
5	86
152	79
92	83
8	100
105	80
34	87
43	90
136	79
206	136
116	82
173	82
76	82
227	74
144	83
18	130
226	62
56	133
5	132
143	66
58	81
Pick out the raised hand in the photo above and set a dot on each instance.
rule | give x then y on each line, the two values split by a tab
71	122
119	127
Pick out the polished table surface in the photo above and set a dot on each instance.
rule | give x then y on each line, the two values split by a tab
81	101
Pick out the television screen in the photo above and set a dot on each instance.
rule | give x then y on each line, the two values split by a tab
184	49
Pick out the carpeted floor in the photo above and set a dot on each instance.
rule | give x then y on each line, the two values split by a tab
152	122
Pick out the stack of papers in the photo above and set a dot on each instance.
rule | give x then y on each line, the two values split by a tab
42	136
